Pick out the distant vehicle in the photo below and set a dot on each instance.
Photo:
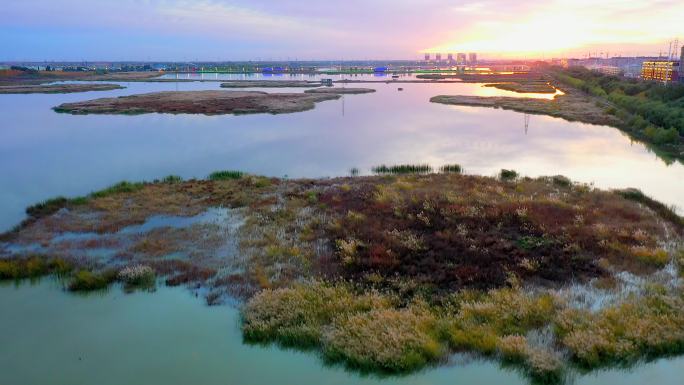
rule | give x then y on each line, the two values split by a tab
380	69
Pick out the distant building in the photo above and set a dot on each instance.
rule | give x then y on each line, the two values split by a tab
660	70
461	58
472	58
450	57
681	66
427	57
438	57
607	70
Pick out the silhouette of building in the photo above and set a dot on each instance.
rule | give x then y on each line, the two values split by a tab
438	57
427	57
450	58
472	58
461	58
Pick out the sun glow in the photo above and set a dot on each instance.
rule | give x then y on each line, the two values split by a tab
561	27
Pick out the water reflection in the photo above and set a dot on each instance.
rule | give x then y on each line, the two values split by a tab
44	154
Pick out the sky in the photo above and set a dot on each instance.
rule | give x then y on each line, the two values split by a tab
208	30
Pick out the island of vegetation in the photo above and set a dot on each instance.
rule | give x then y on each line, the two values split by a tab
58	88
199	102
392	272
270	84
650	112
340	91
572	106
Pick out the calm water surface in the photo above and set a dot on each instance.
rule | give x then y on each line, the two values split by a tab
170	337
44	154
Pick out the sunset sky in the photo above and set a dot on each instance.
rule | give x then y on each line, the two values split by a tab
315	29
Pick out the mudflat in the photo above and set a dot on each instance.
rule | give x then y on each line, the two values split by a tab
198	102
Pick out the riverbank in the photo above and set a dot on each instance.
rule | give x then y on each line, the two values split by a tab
198	102
57	88
649	111
32	77
544	273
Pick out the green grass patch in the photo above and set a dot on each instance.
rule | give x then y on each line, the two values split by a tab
226	175
119	188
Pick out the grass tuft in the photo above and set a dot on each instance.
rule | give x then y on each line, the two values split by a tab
119	188
172	179
402	169
451	168
226	175
85	280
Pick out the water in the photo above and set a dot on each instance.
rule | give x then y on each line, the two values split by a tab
44	154
170	337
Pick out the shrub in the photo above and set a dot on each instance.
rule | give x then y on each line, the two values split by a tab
226	175
560	180
508	174
85	280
